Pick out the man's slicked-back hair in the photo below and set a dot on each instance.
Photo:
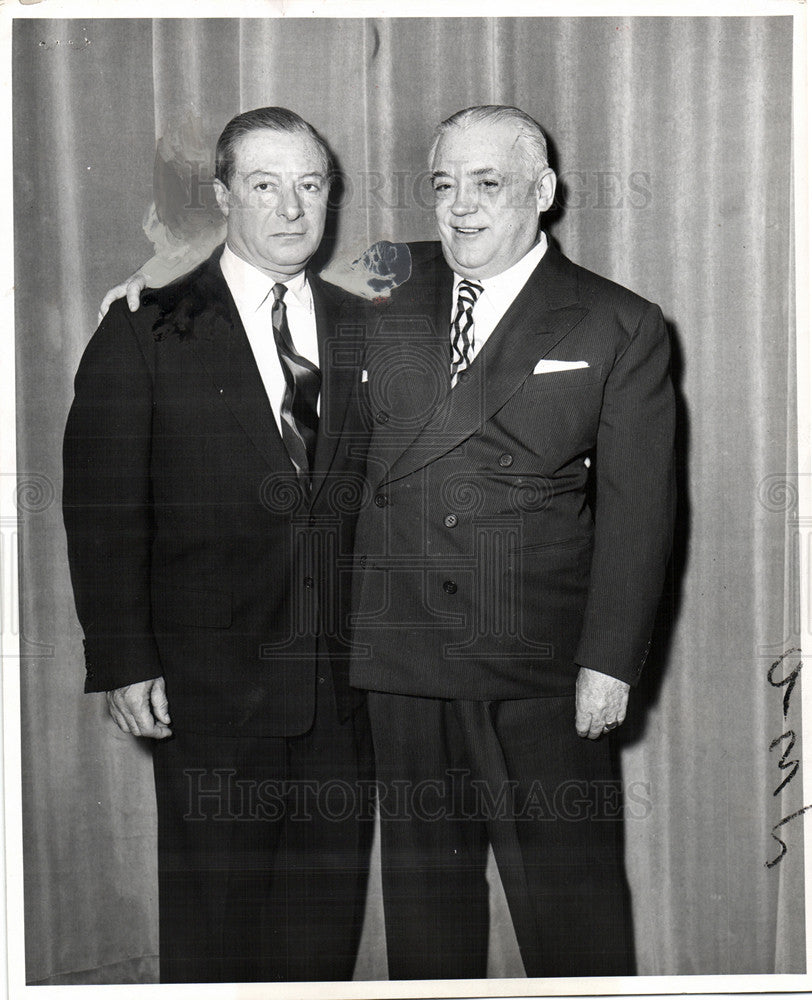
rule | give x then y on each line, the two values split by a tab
531	137
274	119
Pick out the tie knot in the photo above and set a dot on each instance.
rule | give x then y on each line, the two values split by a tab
279	292
469	291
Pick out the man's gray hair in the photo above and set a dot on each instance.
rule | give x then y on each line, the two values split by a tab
529	133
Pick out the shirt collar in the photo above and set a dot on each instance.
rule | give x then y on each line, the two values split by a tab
251	287
509	283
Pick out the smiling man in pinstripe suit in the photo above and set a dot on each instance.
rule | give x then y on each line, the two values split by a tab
500	617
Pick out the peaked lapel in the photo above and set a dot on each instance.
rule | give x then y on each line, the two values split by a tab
208	315
409	359
339	371
544	312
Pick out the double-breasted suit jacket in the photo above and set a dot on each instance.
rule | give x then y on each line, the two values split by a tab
194	552
520	522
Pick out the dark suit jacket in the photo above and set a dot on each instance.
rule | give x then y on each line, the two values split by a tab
485	573
193	551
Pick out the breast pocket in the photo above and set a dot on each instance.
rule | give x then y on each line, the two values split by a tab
571	378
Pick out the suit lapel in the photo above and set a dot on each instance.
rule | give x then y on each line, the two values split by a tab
338	376
222	346
544	312
409	361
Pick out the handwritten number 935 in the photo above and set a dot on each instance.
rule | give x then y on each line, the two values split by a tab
787	740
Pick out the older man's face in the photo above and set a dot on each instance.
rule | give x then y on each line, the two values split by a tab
276	204
487	198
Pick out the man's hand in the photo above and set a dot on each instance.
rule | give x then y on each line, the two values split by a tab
141	709
600	703
131	287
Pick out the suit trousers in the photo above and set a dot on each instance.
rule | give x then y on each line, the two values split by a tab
263	850
454	775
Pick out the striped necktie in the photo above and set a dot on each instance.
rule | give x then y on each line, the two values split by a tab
300	421
462	328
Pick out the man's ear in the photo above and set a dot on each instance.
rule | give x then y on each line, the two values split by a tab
221	193
545	189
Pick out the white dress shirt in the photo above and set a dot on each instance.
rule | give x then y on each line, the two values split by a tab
252	290
498	293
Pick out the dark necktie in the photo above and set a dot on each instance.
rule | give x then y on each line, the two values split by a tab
462	328
300	421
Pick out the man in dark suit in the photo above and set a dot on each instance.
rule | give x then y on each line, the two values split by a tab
502	616
212	481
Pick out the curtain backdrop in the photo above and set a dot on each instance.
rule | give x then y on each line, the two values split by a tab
673	140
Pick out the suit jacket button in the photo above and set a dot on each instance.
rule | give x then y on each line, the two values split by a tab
363	561
308	582
463	377
450	587
506	460
450	520
381	500
382	417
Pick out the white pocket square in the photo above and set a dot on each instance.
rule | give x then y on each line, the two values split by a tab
364	375
545	366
